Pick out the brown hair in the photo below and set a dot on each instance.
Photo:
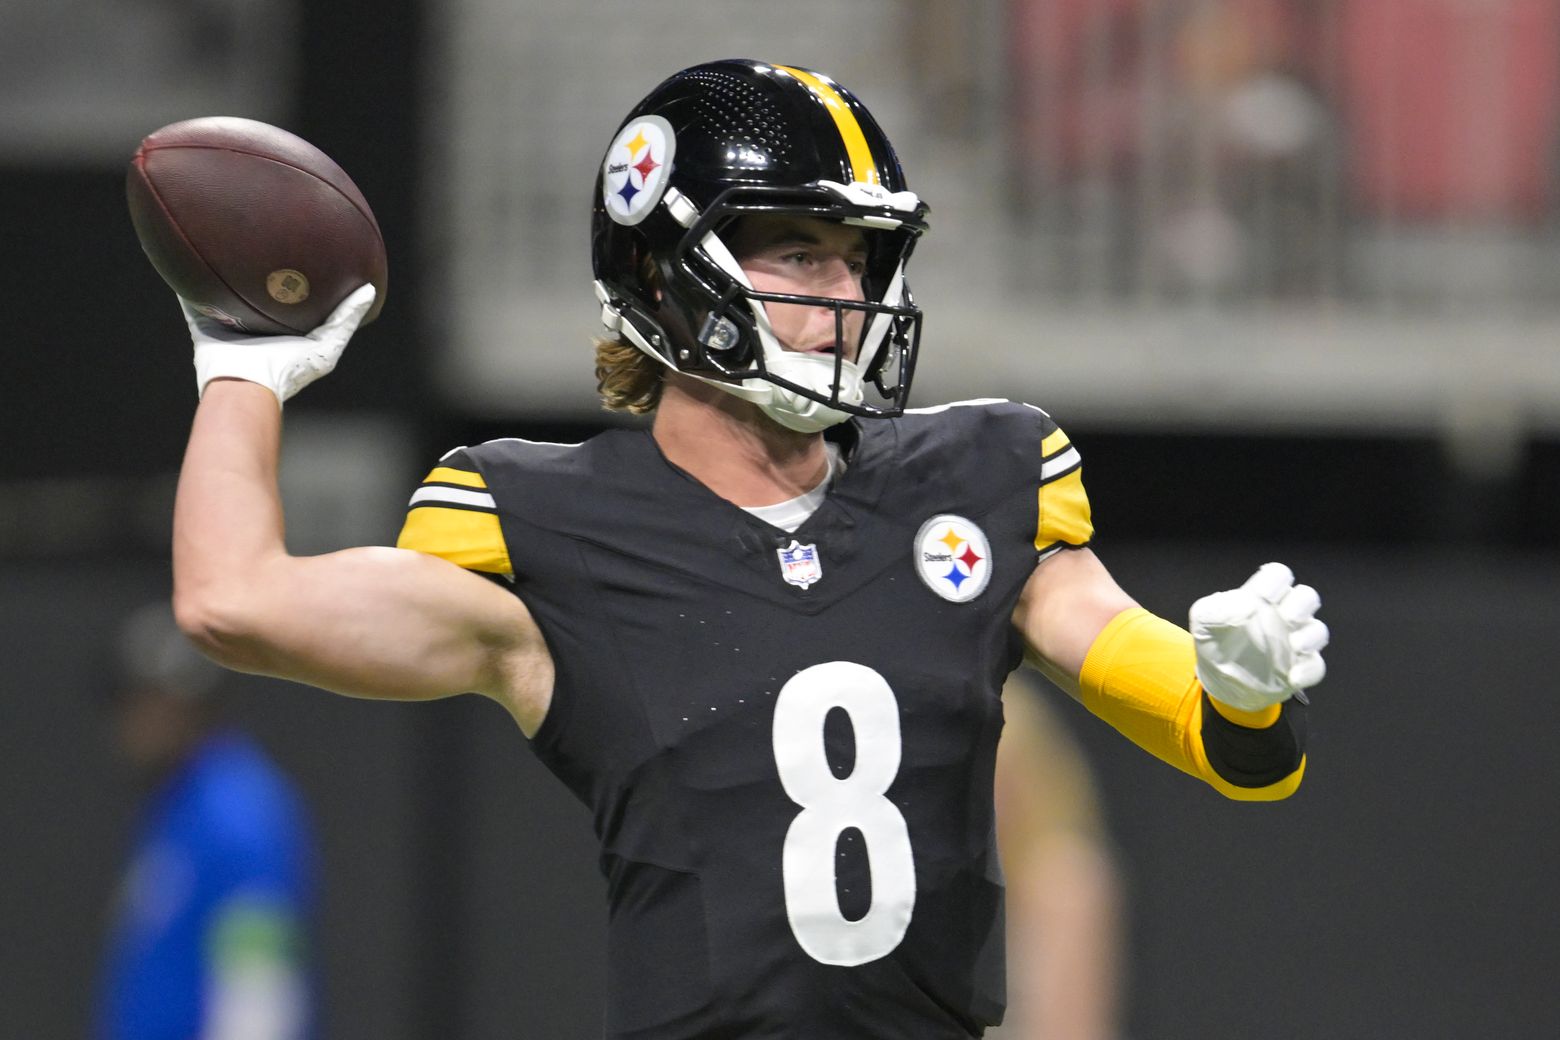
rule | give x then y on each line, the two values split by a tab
628	379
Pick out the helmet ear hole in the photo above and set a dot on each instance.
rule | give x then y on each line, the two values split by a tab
638	266
648	276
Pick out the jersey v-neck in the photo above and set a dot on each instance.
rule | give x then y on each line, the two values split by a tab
793	512
861	486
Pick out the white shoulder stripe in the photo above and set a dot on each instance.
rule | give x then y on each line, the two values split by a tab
543	444
973	403
452	496
1061	464
513	440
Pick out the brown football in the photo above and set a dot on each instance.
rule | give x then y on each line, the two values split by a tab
253	225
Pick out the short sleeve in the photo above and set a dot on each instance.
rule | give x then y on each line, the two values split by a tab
452	515
1063	516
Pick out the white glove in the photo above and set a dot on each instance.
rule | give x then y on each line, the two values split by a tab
284	364
1260	644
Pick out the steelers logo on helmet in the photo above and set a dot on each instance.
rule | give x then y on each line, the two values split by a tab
636	169
953	557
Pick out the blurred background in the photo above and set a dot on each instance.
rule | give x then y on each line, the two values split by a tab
1286	270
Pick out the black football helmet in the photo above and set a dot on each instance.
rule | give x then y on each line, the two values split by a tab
716	142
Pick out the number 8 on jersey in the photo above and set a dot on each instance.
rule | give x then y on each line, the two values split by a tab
831	805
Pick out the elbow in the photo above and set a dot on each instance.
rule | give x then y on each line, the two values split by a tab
218	626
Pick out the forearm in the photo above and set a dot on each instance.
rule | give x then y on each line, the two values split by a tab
227	517
1140	676
228	513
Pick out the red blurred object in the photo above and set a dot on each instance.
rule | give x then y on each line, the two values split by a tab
1452	107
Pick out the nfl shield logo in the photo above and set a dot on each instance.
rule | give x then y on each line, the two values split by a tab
799	564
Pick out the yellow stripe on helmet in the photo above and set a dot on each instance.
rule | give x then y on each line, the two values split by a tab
863	168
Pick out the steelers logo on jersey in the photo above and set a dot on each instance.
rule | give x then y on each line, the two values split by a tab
634	174
953	558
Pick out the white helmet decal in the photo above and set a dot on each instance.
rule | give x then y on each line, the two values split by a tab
634	173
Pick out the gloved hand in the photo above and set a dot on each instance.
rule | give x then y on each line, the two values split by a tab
1260	644
284	364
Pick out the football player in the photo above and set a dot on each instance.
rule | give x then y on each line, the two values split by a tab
763	638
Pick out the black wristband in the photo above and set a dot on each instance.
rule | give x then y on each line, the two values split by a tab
1246	757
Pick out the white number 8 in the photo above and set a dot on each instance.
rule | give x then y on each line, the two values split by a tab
830	805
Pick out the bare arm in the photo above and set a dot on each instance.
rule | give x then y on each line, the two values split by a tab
368	622
1068	601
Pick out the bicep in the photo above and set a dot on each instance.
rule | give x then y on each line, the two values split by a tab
392	623
1069	599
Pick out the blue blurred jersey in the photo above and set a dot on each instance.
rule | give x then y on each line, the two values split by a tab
211	924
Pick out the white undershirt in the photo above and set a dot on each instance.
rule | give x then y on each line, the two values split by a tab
793	512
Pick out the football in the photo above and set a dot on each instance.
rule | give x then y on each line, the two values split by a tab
253	225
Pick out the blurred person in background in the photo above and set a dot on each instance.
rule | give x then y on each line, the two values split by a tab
763	638
1193	134
210	934
1066	939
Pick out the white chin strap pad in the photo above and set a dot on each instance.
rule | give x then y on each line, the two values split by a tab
802	414
815	372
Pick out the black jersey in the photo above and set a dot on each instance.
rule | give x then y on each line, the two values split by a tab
787	740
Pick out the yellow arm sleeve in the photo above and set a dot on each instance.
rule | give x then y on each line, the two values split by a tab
1140	676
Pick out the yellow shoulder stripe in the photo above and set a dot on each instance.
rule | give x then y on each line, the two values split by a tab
466	537
1064	512
863	168
462	477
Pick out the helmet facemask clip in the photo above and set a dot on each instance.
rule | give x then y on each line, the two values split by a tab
719	335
